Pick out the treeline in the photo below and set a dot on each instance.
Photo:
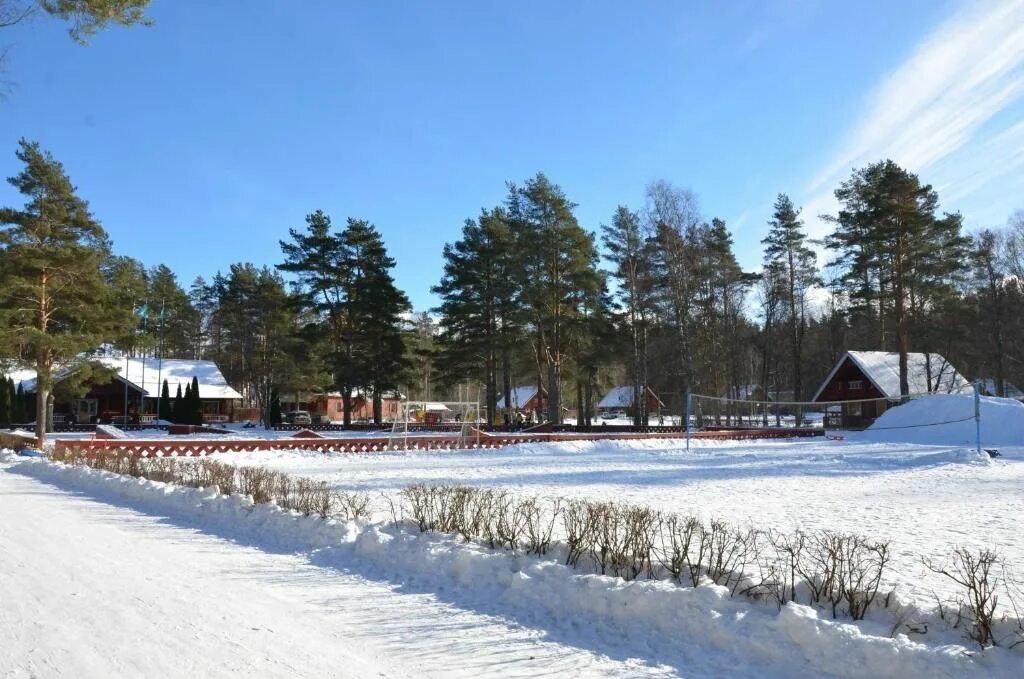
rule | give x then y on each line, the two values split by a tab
655	297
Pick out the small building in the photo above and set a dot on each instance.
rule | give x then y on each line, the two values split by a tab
139	381
868	384
1010	390
331	405
621	398
525	398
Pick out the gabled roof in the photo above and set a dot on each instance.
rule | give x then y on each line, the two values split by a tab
882	369
148	375
622	397
521	395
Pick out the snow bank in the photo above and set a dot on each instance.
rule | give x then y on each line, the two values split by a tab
920	421
793	642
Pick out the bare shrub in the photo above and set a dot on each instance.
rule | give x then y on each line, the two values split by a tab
975	573
258	483
540	523
641	525
863	565
353	506
510	520
677	534
580	530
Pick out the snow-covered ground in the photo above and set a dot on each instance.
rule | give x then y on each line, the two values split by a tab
925	499
109	576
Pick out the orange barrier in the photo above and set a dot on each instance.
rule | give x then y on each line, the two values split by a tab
195	448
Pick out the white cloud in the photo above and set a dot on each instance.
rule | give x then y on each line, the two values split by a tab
938	107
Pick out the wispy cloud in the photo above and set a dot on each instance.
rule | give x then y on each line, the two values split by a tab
939	105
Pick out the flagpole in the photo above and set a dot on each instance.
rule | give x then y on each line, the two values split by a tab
160	361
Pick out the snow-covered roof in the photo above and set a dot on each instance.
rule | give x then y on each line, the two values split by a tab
521	395
622	397
882	368
149	375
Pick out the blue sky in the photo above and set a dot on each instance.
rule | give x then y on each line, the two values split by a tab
201	140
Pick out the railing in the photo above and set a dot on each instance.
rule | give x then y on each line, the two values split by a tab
480	440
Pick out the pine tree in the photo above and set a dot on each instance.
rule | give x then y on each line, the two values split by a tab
793	266
896	254
164	405
632	253
558	271
375	308
196	405
480	312
56	302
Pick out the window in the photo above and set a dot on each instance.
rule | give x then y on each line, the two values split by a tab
856	385
339	407
853	409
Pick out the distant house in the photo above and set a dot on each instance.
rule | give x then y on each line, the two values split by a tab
330	405
1010	390
141	380
755	392
524	397
869	383
621	398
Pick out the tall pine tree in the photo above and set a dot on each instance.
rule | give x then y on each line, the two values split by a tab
55	301
792	265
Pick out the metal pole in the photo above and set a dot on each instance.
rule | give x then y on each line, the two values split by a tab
689	408
977	417
160	361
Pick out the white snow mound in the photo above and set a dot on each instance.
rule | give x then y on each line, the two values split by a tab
948	419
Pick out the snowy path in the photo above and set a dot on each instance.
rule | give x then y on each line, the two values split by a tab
90	589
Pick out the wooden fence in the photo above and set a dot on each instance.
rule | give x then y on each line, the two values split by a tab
200	447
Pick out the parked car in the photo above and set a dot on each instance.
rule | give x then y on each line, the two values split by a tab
298	417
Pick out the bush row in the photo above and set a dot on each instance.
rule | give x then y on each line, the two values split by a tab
838	571
263	485
841	571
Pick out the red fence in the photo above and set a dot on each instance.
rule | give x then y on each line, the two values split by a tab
165	448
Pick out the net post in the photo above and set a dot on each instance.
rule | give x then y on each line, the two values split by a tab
977	417
689	408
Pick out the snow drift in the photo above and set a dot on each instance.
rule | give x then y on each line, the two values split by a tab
948	419
794	642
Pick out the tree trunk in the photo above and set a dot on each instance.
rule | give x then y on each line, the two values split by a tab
346	405
554	395
378	418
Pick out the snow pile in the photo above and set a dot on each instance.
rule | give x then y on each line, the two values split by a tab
948	419
794	642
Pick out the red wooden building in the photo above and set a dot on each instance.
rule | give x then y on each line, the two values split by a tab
868	384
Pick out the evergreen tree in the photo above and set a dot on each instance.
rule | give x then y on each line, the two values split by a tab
195	404
897	255
164	405
557	270
177	415
55	302
792	265
375	308
174	318
631	252
19	412
5	402
274	417
480	313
